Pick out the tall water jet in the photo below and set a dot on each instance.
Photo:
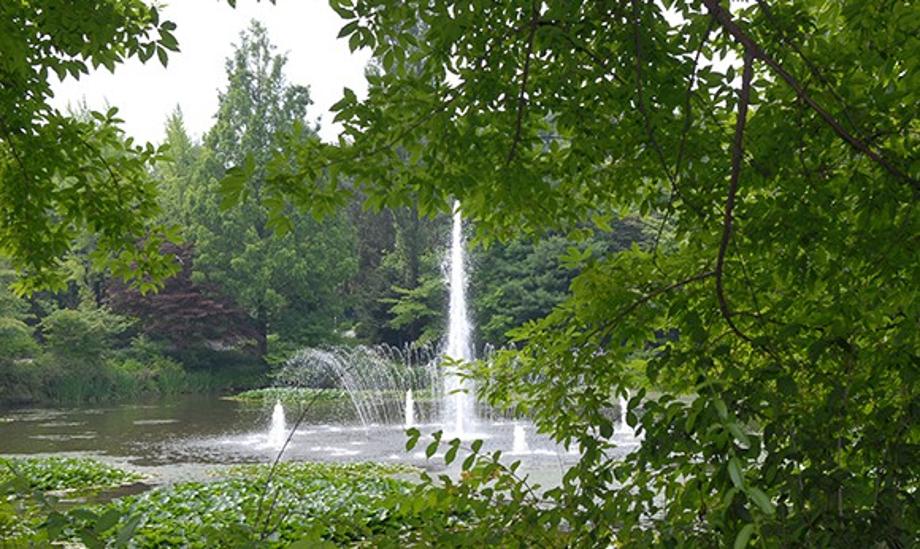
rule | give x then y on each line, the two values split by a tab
459	403
277	430
410	409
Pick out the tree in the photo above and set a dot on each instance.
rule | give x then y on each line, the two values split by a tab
288	276
177	171
790	275
62	176
186	314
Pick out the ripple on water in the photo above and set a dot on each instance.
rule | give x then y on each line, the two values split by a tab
61	437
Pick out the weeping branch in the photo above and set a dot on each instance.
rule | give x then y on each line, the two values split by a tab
724	18
728	221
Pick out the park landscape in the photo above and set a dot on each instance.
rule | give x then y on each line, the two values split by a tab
558	274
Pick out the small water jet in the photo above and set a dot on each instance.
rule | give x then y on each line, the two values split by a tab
277	430
410	409
624	430
519	444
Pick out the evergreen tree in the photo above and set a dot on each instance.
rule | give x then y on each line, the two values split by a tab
290	277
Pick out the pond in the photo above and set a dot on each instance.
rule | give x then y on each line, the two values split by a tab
190	437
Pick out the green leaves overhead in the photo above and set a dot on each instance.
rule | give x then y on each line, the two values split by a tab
63	175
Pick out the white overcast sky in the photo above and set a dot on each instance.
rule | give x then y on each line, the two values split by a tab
145	94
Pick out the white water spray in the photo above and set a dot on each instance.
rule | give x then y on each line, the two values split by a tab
623	428
519	444
410	409
277	431
459	403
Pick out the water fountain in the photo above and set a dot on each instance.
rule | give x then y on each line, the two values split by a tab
519	444
376	379
277	429
459	401
409	409
393	388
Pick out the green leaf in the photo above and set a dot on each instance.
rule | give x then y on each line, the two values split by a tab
108	520
721	408
413	435
734	472
163	56
605	428
451	454
744	536
761	500
739	434
126	532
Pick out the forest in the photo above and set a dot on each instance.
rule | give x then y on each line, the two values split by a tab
571	274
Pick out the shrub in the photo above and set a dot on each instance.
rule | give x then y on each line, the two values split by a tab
16	341
82	335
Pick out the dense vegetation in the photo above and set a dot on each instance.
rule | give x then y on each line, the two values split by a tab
771	146
313	504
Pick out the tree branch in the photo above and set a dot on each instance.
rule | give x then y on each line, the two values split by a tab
640	99
751	47
812	67
737	160
522	100
645	299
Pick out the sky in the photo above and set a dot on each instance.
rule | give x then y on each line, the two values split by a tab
146	94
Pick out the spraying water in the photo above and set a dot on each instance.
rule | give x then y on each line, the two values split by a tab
410	409
277	431
459	411
519	444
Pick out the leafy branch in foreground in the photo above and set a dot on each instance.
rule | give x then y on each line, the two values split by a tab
786	392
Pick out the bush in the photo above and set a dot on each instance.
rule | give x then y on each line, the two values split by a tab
16	341
82	335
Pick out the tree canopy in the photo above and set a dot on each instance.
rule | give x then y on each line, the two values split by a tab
63	175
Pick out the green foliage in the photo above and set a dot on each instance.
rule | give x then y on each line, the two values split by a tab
523	280
63	473
419	309
287	275
83	335
16	341
62	176
290	395
31	515
783	308
310	503
399	292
